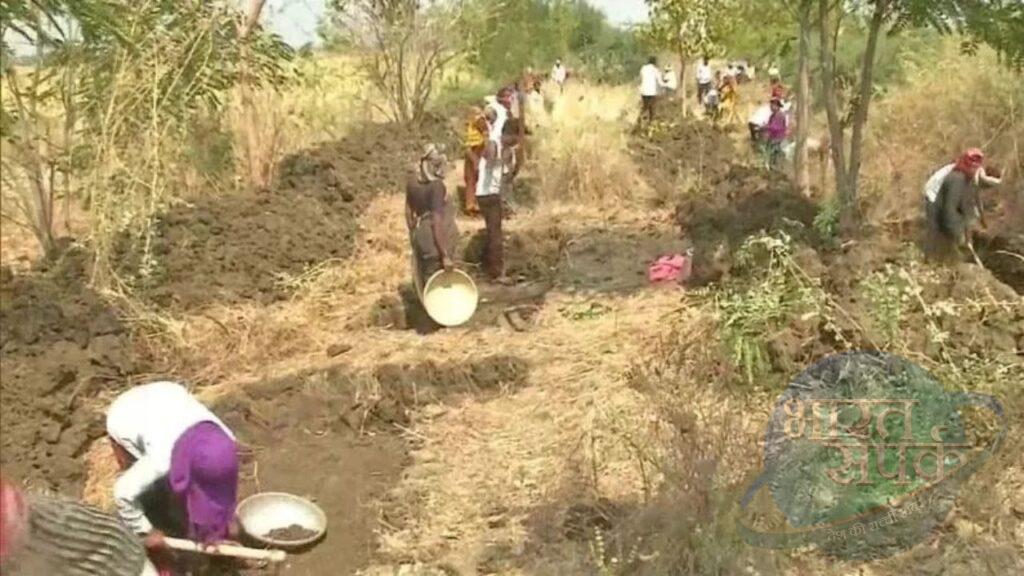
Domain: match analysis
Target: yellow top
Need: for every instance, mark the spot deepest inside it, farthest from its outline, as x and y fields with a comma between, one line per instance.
x=729, y=93
x=474, y=136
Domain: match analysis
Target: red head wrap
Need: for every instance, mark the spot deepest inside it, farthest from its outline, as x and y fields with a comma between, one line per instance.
x=970, y=161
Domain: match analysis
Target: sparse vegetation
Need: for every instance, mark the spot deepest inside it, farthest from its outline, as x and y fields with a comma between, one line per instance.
x=826, y=222
x=887, y=295
x=253, y=244
x=773, y=295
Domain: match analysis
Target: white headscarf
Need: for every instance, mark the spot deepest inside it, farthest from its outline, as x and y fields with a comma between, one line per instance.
x=500, y=117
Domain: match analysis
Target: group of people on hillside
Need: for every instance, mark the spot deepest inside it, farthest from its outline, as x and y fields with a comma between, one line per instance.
x=717, y=91
x=952, y=203
x=655, y=84
x=494, y=144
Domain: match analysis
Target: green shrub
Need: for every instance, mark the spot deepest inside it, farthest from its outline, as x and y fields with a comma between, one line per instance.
x=749, y=315
x=826, y=222
x=888, y=294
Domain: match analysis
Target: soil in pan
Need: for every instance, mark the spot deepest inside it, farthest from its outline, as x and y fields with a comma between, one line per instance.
x=293, y=533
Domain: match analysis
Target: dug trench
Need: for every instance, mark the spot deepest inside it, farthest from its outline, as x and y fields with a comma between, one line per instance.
x=336, y=436
x=341, y=439
x=1001, y=245
x=65, y=349
x=543, y=257
x=609, y=260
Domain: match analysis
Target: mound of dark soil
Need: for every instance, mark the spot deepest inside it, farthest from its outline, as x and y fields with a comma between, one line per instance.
x=61, y=344
x=1004, y=257
x=531, y=254
x=677, y=147
x=234, y=248
x=1001, y=246
x=741, y=202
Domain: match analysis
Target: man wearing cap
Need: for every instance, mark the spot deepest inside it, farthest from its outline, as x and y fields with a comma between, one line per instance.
x=954, y=206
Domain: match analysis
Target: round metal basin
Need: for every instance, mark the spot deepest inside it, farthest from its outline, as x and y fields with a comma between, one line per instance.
x=265, y=512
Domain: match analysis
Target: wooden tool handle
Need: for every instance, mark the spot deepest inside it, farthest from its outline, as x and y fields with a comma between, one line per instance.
x=226, y=550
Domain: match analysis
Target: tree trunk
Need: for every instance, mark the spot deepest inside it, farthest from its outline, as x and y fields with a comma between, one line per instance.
x=258, y=166
x=43, y=217
x=803, y=100
x=683, y=80
x=860, y=116
x=828, y=85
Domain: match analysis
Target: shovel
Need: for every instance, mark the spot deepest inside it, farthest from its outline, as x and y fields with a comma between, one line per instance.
x=228, y=550
x=977, y=260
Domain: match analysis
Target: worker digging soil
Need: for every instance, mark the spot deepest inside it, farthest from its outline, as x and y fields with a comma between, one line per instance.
x=953, y=205
x=179, y=467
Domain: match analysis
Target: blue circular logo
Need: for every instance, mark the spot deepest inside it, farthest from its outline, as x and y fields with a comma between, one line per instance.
x=864, y=453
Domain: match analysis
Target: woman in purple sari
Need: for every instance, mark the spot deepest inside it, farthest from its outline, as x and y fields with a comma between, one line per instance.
x=179, y=465
x=775, y=135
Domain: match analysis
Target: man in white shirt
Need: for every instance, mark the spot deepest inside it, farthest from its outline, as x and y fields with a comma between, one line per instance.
x=167, y=442
x=496, y=168
x=705, y=79
x=497, y=115
x=650, y=83
x=559, y=74
x=670, y=82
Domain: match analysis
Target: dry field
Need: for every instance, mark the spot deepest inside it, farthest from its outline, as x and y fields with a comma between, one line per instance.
x=585, y=422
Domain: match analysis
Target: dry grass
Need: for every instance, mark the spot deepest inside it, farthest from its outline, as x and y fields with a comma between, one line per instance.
x=103, y=470
x=571, y=433
x=931, y=121
x=582, y=154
